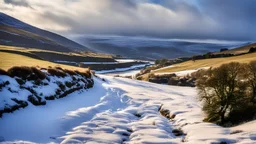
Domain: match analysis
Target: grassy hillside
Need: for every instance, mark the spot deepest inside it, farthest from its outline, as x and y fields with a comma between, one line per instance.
x=239, y=50
x=17, y=37
x=8, y=60
x=35, y=50
x=17, y=33
x=54, y=56
x=214, y=62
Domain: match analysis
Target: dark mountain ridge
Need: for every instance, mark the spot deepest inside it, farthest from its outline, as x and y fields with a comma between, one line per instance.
x=17, y=33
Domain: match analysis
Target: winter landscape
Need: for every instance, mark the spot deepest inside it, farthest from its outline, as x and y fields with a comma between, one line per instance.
x=127, y=72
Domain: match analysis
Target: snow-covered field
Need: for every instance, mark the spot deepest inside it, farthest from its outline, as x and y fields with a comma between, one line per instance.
x=119, y=110
x=179, y=73
x=131, y=73
x=134, y=67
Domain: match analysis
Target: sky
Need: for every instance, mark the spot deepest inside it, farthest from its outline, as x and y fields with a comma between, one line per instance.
x=177, y=19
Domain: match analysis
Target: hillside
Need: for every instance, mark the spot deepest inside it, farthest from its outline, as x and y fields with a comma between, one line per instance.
x=153, y=48
x=239, y=50
x=192, y=66
x=11, y=58
x=14, y=32
x=19, y=56
x=8, y=60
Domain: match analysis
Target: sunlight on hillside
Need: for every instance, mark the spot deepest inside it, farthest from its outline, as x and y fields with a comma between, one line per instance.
x=8, y=60
x=214, y=62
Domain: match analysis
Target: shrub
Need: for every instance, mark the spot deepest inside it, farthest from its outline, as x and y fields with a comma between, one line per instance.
x=4, y=84
x=41, y=75
x=223, y=49
x=69, y=92
x=157, y=62
x=73, y=78
x=68, y=84
x=20, y=81
x=36, y=100
x=58, y=68
x=250, y=73
x=86, y=74
x=56, y=72
x=58, y=92
x=49, y=97
x=62, y=87
x=251, y=50
x=70, y=72
x=20, y=71
x=26, y=73
x=3, y=72
x=221, y=91
x=37, y=82
x=243, y=112
x=90, y=83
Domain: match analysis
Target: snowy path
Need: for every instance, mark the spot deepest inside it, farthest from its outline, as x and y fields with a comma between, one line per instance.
x=40, y=123
x=120, y=111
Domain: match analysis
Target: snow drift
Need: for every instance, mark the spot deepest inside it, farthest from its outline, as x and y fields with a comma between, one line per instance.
x=119, y=110
x=22, y=86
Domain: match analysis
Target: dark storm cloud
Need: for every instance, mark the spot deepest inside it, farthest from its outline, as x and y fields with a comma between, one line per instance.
x=17, y=2
x=188, y=19
x=236, y=17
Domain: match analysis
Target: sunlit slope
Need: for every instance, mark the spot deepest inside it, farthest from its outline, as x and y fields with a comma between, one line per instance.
x=214, y=62
x=8, y=60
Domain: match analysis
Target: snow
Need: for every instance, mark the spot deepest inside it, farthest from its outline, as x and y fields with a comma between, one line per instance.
x=179, y=73
x=131, y=73
x=132, y=60
x=121, y=110
x=100, y=62
x=6, y=95
x=122, y=69
x=68, y=62
x=39, y=123
x=118, y=61
x=125, y=60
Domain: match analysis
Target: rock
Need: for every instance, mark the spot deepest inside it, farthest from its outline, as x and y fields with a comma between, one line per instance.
x=173, y=81
x=177, y=132
x=158, y=80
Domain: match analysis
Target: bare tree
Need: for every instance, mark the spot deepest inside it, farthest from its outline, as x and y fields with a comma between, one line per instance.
x=219, y=90
x=251, y=74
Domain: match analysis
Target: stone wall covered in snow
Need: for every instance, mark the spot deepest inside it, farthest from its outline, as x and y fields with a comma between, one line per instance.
x=23, y=86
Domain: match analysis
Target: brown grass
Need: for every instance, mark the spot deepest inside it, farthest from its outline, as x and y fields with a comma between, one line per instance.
x=56, y=72
x=24, y=72
x=8, y=60
x=243, y=49
x=215, y=62
x=33, y=50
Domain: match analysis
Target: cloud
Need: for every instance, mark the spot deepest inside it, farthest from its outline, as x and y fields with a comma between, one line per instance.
x=183, y=19
x=17, y=2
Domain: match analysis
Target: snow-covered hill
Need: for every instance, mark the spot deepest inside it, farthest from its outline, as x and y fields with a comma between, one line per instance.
x=153, y=48
x=119, y=110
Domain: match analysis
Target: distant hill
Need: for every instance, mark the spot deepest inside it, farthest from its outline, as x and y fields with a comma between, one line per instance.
x=239, y=50
x=153, y=48
x=14, y=32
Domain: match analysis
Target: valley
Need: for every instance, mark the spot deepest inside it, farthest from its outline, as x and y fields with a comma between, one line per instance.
x=127, y=72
